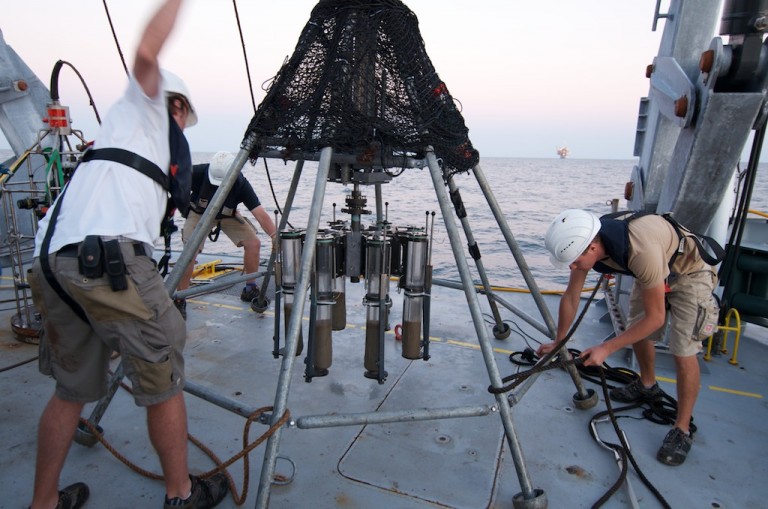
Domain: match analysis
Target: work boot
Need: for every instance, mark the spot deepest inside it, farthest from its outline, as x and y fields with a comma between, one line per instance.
x=249, y=293
x=675, y=447
x=73, y=496
x=206, y=493
x=635, y=391
x=181, y=305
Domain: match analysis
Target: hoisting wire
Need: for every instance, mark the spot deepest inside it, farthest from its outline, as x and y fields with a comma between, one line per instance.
x=245, y=56
x=272, y=189
x=253, y=100
x=727, y=269
x=114, y=36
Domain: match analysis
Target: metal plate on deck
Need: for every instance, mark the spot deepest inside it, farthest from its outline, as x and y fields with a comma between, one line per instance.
x=447, y=461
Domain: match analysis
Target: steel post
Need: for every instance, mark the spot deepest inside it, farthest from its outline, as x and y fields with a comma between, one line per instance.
x=477, y=317
x=517, y=253
x=294, y=328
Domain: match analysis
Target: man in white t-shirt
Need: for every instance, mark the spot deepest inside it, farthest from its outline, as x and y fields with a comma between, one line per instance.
x=98, y=289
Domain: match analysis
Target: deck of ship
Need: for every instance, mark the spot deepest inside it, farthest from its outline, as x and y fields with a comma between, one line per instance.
x=456, y=463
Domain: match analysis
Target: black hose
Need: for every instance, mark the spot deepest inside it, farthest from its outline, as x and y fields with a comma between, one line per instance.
x=55, y=85
x=737, y=228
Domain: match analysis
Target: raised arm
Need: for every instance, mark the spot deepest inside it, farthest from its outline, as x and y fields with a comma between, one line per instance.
x=146, y=67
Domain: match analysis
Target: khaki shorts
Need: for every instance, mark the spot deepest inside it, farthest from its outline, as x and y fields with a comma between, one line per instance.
x=692, y=311
x=140, y=322
x=237, y=228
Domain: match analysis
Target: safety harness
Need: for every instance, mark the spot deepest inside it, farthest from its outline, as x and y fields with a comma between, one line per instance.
x=614, y=234
x=118, y=155
x=207, y=190
x=177, y=184
x=204, y=196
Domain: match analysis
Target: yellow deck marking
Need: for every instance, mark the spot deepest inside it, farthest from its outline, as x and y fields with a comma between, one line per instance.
x=716, y=388
x=223, y=306
x=738, y=393
x=475, y=346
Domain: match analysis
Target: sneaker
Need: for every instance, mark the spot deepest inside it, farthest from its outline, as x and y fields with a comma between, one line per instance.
x=249, y=293
x=206, y=493
x=181, y=305
x=73, y=496
x=635, y=391
x=675, y=447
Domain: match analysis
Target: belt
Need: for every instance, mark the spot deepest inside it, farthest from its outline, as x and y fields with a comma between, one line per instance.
x=71, y=250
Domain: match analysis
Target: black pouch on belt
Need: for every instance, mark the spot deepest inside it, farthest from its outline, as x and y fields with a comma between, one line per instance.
x=114, y=265
x=89, y=258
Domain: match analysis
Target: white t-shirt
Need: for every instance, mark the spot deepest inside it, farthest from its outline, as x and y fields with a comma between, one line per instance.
x=110, y=199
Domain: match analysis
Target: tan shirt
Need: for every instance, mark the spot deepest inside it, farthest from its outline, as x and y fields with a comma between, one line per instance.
x=652, y=242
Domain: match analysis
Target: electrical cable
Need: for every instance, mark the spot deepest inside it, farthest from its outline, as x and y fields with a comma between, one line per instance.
x=55, y=85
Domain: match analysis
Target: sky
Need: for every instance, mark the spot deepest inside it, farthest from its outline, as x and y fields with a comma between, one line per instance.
x=530, y=76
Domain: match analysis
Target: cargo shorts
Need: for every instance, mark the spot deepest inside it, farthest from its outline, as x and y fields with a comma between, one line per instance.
x=236, y=228
x=140, y=322
x=692, y=311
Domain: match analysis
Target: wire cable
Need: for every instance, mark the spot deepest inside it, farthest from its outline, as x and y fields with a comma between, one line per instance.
x=114, y=36
x=245, y=55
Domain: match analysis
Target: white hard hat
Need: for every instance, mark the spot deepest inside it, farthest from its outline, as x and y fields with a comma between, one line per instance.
x=569, y=235
x=217, y=169
x=175, y=85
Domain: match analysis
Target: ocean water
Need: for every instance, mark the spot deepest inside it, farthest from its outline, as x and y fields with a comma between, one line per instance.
x=530, y=192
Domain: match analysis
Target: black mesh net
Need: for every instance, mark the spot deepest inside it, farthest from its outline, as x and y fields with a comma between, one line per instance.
x=360, y=81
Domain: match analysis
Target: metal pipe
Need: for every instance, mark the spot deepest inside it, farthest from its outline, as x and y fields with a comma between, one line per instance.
x=517, y=253
x=517, y=311
x=477, y=318
x=281, y=227
x=294, y=327
x=277, y=268
x=206, y=220
x=210, y=287
x=379, y=204
x=500, y=325
x=220, y=401
x=423, y=414
x=528, y=277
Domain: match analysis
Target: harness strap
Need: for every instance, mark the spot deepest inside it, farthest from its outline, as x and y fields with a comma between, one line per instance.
x=132, y=160
x=699, y=240
x=46, y=266
x=213, y=235
x=118, y=155
x=151, y=170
